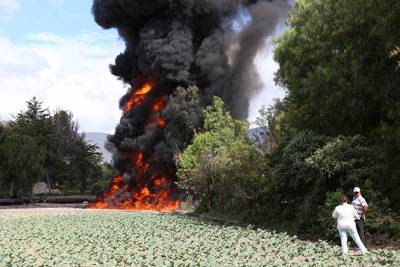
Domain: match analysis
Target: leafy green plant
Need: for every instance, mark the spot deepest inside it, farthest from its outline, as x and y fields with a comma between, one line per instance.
x=221, y=168
x=92, y=238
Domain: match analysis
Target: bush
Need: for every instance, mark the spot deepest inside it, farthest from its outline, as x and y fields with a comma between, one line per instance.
x=221, y=168
x=297, y=188
x=346, y=162
x=380, y=222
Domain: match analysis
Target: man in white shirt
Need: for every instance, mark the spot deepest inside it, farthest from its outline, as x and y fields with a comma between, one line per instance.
x=345, y=215
x=361, y=206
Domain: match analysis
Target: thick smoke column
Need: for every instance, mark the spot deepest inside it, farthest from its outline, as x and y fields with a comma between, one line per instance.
x=172, y=43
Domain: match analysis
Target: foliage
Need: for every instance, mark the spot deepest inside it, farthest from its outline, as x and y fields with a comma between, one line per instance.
x=390, y=156
x=342, y=87
x=21, y=162
x=84, y=165
x=334, y=64
x=101, y=239
x=395, y=53
x=310, y=170
x=99, y=182
x=65, y=158
x=381, y=223
x=220, y=168
x=349, y=161
x=296, y=186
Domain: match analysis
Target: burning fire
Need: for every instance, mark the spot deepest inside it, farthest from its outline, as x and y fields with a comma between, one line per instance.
x=156, y=196
x=155, y=193
x=158, y=105
x=137, y=96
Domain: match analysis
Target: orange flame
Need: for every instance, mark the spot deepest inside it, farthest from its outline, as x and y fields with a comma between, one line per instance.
x=138, y=158
x=158, y=105
x=137, y=96
x=160, y=121
x=142, y=197
x=157, y=195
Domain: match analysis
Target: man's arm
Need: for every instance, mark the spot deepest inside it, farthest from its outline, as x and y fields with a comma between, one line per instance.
x=364, y=206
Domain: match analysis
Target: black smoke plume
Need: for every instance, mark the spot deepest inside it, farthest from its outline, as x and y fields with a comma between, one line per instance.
x=208, y=43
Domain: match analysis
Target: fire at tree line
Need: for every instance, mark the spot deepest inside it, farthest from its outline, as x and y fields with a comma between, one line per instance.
x=182, y=136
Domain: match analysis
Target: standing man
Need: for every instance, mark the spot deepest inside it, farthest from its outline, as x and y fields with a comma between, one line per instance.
x=361, y=206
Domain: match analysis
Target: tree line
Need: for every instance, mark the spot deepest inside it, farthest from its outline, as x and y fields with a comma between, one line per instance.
x=338, y=127
x=39, y=146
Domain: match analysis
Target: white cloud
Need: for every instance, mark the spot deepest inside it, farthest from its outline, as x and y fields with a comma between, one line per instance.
x=45, y=37
x=266, y=67
x=8, y=8
x=69, y=73
x=72, y=73
x=19, y=61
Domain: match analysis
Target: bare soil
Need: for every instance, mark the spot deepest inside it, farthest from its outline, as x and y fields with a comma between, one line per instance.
x=42, y=211
x=53, y=209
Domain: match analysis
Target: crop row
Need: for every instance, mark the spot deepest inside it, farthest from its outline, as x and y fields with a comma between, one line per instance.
x=150, y=239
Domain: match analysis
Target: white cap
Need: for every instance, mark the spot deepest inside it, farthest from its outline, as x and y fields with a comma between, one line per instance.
x=356, y=189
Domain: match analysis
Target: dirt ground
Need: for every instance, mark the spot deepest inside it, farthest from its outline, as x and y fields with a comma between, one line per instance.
x=42, y=211
x=51, y=210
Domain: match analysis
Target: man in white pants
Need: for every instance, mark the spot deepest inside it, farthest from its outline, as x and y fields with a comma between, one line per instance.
x=345, y=215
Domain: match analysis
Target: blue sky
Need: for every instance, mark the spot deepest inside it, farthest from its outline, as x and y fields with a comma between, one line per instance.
x=60, y=17
x=53, y=49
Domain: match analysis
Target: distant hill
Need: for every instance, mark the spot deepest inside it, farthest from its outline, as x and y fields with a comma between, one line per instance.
x=99, y=139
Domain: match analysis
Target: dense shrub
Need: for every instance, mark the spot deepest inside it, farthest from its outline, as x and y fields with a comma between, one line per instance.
x=296, y=186
x=221, y=168
x=310, y=173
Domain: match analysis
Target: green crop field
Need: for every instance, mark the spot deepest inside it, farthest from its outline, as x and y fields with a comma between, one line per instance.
x=90, y=238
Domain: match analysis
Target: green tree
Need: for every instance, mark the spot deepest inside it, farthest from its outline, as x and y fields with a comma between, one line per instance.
x=99, y=182
x=36, y=122
x=334, y=64
x=221, y=168
x=73, y=160
x=296, y=187
x=84, y=165
x=69, y=160
x=21, y=164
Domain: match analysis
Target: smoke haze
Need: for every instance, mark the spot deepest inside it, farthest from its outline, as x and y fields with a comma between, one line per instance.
x=181, y=43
